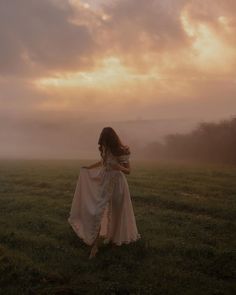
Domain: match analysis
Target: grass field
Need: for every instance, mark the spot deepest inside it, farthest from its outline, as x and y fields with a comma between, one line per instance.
x=185, y=215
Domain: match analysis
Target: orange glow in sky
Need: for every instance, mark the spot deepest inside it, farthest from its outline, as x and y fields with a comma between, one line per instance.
x=110, y=73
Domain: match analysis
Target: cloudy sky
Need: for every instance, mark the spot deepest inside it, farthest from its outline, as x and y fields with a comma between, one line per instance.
x=65, y=64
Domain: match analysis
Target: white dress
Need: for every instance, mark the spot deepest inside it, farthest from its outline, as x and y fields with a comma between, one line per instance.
x=102, y=197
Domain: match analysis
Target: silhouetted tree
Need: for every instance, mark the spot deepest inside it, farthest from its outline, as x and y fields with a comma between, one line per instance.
x=209, y=142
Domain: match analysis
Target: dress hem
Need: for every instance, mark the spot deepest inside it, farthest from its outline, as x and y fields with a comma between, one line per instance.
x=138, y=237
x=76, y=230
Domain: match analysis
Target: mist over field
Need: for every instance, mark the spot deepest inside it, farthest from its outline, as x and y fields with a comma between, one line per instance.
x=71, y=138
x=166, y=139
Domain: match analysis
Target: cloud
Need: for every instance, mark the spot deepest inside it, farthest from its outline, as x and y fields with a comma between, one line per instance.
x=139, y=31
x=135, y=21
x=37, y=37
x=42, y=38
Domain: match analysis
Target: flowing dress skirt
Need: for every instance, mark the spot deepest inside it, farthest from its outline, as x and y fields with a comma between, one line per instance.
x=102, y=197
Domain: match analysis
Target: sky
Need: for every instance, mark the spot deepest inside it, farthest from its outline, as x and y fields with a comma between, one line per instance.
x=70, y=67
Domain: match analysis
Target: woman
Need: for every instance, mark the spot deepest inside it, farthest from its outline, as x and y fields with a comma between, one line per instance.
x=102, y=205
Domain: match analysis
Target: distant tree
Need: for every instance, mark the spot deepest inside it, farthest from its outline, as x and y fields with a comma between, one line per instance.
x=209, y=142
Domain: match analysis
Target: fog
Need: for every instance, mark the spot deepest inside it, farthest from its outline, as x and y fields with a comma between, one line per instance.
x=68, y=138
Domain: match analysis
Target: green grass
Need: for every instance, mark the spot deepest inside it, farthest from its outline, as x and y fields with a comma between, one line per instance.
x=185, y=215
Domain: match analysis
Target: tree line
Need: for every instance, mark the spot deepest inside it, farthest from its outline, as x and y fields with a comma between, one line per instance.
x=209, y=142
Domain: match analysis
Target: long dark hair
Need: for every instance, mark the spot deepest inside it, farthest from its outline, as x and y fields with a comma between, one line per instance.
x=110, y=140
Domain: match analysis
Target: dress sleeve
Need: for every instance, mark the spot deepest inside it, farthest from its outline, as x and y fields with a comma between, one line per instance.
x=124, y=158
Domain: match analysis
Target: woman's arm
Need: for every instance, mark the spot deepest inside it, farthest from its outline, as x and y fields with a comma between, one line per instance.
x=125, y=167
x=97, y=164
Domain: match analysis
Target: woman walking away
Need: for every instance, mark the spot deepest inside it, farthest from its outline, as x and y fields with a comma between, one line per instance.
x=102, y=204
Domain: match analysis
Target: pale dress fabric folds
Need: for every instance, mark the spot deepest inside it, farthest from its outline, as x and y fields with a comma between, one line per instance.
x=102, y=197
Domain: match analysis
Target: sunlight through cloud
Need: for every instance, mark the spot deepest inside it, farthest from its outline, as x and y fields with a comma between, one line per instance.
x=111, y=73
